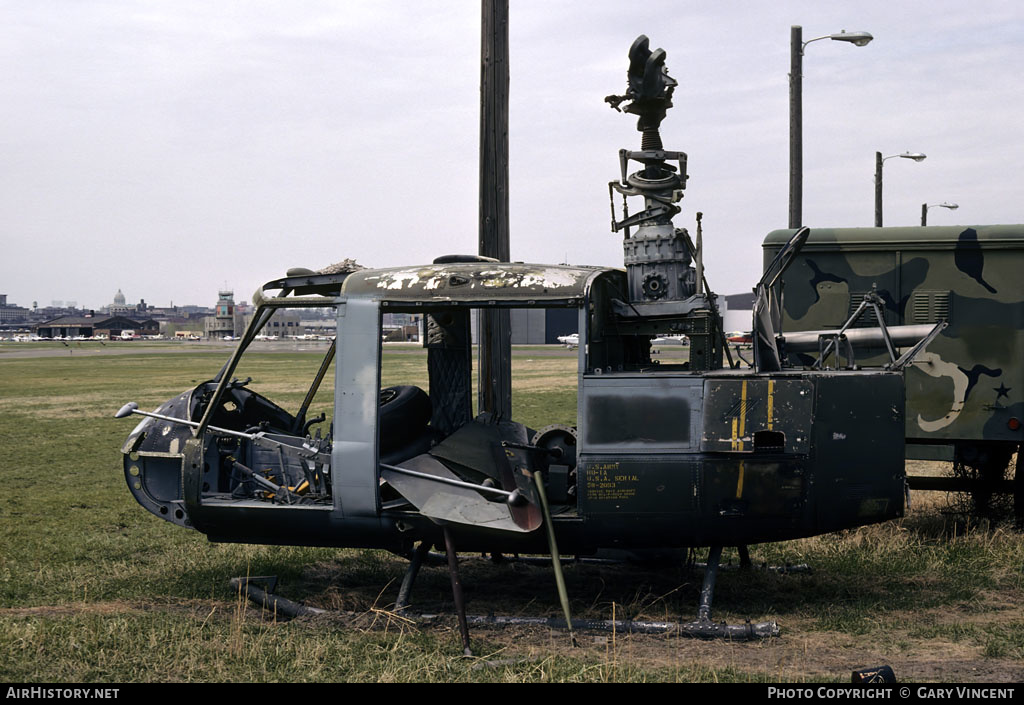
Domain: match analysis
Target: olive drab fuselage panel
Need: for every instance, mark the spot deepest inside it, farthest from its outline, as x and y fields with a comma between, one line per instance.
x=969, y=384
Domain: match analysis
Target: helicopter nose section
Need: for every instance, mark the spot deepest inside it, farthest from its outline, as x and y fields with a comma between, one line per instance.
x=153, y=455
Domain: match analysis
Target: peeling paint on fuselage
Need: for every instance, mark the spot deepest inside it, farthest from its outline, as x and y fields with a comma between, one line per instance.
x=516, y=277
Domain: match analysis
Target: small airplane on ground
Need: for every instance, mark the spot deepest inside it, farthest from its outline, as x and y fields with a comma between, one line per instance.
x=570, y=341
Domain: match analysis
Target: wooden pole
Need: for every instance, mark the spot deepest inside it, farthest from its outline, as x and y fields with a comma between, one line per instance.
x=494, y=329
x=878, y=189
x=796, y=127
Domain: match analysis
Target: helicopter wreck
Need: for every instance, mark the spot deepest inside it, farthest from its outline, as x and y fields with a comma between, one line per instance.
x=662, y=456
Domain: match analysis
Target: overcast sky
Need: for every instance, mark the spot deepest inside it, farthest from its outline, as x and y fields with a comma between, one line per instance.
x=170, y=148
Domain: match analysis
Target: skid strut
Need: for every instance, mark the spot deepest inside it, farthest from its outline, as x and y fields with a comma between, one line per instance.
x=410, y=575
x=460, y=603
x=704, y=628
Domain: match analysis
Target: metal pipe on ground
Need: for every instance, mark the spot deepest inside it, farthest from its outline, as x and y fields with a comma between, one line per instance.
x=270, y=601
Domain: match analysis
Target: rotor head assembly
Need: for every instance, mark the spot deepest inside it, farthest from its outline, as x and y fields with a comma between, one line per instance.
x=657, y=255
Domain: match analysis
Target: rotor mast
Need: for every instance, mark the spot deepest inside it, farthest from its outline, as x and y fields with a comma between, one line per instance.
x=665, y=290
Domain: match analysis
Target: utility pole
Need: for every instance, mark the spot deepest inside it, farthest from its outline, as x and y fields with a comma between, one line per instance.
x=879, y=163
x=796, y=114
x=878, y=189
x=796, y=127
x=494, y=331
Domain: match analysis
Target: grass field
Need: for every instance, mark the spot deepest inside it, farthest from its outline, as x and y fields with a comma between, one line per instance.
x=95, y=589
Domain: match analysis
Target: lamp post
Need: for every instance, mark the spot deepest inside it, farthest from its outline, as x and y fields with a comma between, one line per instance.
x=925, y=207
x=796, y=148
x=879, y=160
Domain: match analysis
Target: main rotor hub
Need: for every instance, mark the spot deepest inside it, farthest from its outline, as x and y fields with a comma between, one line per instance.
x=657, y=255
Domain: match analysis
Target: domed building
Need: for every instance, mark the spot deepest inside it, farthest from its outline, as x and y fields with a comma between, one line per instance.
x=119, y=307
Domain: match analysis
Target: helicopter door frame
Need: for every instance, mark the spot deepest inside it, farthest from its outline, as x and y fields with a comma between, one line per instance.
x=355, y=475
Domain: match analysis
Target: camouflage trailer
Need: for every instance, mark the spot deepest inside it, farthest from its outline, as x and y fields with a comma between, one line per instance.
x=965, y=394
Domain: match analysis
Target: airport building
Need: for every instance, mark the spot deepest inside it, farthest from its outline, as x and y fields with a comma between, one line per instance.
x=226, y=320
x=94, y=326
x=9, y=313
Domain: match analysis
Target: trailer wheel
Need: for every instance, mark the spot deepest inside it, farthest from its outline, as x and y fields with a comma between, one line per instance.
x=986, y=466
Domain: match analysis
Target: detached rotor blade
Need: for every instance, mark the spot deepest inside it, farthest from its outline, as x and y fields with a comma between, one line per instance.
x=439, y=494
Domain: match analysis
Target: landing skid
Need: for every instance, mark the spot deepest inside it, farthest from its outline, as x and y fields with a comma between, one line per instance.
x=702, y=628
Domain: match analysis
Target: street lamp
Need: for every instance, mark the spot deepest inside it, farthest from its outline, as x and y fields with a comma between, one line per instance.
x=796, y=148
x=879, y=159
x=925, y=207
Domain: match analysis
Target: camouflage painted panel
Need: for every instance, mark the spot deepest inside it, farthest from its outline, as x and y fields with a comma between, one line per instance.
x=969, y=383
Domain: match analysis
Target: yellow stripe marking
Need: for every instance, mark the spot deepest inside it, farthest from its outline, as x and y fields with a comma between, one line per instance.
x=739, y=483
x=735, y=442
x=743, y=412
x=771, y=401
